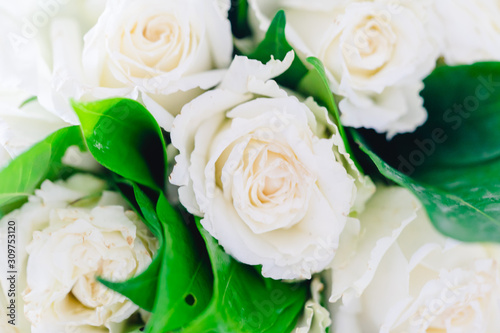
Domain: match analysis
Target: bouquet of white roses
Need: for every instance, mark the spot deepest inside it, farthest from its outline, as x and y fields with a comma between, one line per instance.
x=250, y=166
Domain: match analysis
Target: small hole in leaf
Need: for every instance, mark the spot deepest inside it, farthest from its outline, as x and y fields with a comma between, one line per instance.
x=190, y=300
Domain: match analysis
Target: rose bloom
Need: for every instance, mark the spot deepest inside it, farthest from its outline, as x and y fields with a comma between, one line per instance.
x=376, y=54
x=69, y=233
x=161, y=53
x=267, y=172
x=471, y=30
x=166, y=49
x=412, y=279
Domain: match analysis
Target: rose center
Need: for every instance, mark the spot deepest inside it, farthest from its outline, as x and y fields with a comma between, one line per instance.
x=275, y=175
x=159, y=28
x=272, y=185
x=373, y=44
x=89, y=292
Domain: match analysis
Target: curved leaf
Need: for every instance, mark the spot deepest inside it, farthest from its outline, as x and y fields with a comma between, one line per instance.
x=125, y=138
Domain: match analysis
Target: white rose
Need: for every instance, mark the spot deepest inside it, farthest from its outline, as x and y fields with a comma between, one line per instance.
x=21, y=127
x=266, y=171
x=167, y=49
x=413, y=280
x=68, y=233
x=376, y=54
x=471, y=30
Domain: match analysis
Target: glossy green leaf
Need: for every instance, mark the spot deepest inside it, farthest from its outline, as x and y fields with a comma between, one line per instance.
x=244, y=301
x=42, y=161
x=452, y=162
x=185, y=286
x=125, y=138
x=275, y=45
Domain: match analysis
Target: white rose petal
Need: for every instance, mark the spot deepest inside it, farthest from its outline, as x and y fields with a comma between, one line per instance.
x=258, y=166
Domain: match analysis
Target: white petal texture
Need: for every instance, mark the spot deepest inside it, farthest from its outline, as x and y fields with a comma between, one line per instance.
x=68, y=233
x=267, y=172
x=411, y=279
x=376, y=54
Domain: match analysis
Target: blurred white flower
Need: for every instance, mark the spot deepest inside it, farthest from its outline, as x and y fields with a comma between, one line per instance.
x=68, y=233
x=410, y=279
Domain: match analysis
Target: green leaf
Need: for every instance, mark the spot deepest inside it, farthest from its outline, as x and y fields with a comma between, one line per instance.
x=185, y=286
x=42, y=161
x=275, y=45
x=125, y=138
x=244, y=301
x=452, y=162
x=238, y=16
